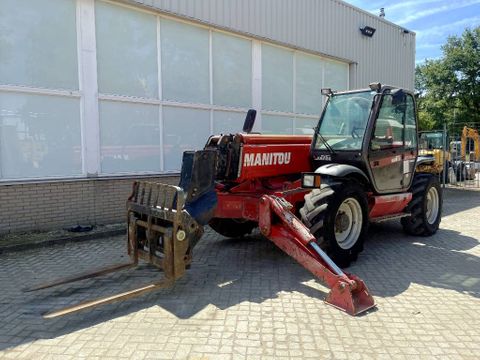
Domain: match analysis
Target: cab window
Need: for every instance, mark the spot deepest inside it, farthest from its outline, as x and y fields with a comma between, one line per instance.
x=395, y=126
x=410, y=124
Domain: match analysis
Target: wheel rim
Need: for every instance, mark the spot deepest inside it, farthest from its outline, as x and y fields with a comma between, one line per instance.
x=433, y=202
x=348, y=223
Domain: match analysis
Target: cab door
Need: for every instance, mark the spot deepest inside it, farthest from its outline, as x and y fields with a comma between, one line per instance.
x=393, y=145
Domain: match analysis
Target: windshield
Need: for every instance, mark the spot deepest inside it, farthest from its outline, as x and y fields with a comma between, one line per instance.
x=345, y=120
x=429, y=141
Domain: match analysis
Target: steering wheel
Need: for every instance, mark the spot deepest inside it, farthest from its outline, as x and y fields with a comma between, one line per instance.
x=354, y=133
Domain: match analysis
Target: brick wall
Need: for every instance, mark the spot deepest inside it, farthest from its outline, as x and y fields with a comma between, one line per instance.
x=59, y=204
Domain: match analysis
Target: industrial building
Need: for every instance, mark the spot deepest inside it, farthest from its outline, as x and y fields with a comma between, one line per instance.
x=96, y=93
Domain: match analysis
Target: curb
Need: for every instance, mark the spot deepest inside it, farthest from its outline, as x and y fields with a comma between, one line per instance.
x=60, y=241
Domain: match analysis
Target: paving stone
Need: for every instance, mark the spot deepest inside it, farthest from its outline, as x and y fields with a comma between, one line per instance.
x=245, y=299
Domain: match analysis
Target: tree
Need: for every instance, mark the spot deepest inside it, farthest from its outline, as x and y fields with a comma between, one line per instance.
x=449, y=87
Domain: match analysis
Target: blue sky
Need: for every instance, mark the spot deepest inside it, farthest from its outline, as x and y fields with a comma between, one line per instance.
x=432, y=20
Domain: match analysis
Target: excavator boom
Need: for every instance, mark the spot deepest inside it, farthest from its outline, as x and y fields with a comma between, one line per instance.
x=469, y=133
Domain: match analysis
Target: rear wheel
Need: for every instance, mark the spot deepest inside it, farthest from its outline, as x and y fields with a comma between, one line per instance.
x=232, y=227
x=337, y=216
x=425, y=207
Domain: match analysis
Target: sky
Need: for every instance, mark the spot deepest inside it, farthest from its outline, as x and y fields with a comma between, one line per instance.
x=432, y=20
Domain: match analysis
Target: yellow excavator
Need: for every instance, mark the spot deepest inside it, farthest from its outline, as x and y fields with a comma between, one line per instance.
x=430, y=145
x=469, y=133
x=470, y=152
x=458, y=159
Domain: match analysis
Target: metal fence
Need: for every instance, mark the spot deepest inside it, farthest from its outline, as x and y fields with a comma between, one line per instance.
x=461, y=170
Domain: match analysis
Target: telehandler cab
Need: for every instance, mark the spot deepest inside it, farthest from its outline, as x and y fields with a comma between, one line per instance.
x=312, y=196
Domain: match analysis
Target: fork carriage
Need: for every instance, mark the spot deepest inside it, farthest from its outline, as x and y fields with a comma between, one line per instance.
x=160, y=232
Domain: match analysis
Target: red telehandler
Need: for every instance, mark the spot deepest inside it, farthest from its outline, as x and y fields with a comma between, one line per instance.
x=312, y=196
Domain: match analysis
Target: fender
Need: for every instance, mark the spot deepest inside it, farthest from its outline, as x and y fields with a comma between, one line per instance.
x=424, y=160
x=340, y=170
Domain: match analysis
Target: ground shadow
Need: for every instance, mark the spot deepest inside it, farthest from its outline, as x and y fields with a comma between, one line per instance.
x=438, y=261
x=225, y=272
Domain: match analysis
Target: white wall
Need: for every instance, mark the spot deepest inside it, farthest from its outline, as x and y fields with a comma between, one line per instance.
x=328, y=27
x=99, y=88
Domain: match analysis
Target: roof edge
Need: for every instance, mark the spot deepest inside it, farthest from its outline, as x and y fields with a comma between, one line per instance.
x=365, y=12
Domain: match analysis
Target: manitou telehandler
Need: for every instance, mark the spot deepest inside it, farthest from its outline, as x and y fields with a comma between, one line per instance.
x=312, y=196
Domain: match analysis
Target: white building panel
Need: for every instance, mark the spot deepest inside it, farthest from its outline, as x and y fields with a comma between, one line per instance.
x=136, y=83
x=328, y=27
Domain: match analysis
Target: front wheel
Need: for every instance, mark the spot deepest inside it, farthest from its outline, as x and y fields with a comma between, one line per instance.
x=425, y=207
x=337, y=216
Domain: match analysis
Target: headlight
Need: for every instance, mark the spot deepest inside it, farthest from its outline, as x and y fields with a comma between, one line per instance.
x=308, y=180
x=311, y=180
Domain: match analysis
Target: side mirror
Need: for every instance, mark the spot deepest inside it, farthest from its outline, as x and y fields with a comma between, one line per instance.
x=326, y=91
x=375, y=86
x=249, y=121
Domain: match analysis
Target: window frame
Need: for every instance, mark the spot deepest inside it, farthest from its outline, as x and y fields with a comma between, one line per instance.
x=404, y=126
x=294, y=114
x=57, y=92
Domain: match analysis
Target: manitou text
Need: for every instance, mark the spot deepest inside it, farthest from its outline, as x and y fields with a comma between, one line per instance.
x=274, y=158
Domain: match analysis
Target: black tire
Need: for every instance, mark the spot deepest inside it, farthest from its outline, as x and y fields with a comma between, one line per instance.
x=231, y=227
x=446, y=168
x=461, y=171
x=452, y=178
x=440, y=177
x=320, y=214
x=418, y=224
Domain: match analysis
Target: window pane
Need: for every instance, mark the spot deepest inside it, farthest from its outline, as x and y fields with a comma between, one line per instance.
x=277, y=79
x=336, y=76
x=308, y=94
x=344, y=121
x=389, y=126
x=274, y=124
x=126, y=51
x=225, y=122
x=232, y=70
x=184, y=129
x=38, y=43
x=129, y=137
x=410, y=125
x=185, y=65
x=39, y=136
x=305, y=126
